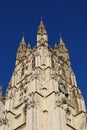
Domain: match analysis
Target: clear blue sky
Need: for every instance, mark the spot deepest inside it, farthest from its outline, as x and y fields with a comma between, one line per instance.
x=68, y=17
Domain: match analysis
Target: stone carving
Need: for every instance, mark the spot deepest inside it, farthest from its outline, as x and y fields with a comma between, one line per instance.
x=42, y=93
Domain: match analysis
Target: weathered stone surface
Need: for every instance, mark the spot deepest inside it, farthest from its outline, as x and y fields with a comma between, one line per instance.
x=42, y=93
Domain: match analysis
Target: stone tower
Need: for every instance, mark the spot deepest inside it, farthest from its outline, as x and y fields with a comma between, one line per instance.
x=42, y=93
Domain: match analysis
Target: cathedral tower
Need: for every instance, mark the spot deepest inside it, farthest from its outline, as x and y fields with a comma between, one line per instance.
x=42, y=93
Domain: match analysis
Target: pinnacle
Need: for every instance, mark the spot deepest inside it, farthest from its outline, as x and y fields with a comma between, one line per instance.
x=22, y=43
x=61, y=41
x=62, y=45
x=28, y=45
x=41, y=28
x=23, y=40
x=55, y=45
x=41, y=23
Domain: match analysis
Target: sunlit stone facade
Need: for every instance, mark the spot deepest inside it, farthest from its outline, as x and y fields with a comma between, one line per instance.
x=42, y=93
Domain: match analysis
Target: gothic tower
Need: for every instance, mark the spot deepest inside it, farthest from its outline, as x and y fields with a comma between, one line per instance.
x=42, y=93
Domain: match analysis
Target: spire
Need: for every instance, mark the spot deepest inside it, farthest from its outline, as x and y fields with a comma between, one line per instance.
x=42, y=37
